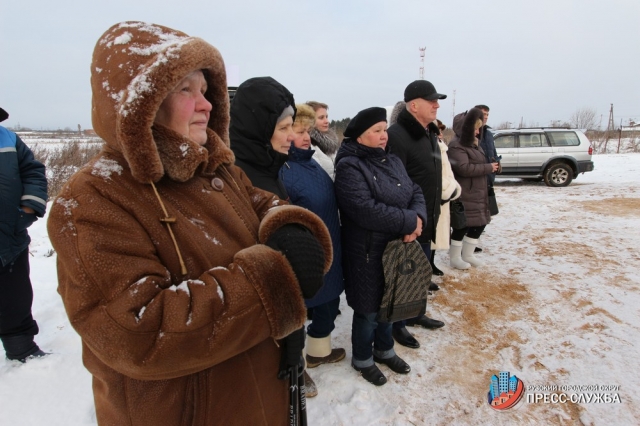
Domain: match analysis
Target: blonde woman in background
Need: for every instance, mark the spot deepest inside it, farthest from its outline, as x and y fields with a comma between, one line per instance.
x=323, y=138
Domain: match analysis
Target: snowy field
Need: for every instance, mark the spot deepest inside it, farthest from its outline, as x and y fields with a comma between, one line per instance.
x=557, y=303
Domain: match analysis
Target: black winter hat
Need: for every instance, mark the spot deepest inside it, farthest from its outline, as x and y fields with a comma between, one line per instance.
x=3, y=115
x=422, y=89
x=363, y=120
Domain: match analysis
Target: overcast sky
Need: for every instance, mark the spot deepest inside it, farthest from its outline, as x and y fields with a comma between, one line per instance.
x=534, y=61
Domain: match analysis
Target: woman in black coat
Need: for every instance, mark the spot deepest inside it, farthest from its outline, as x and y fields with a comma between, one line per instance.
x=470, y=169
x=261, y=132
x=378, y=203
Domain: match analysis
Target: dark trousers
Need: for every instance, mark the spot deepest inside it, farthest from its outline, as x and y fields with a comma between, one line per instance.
x=426, y=248
x=324, y=317
x=368, y=336
x=472, y=232
x=16, y=297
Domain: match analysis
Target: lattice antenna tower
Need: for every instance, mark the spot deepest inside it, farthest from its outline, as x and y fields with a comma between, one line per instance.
x=421, y=74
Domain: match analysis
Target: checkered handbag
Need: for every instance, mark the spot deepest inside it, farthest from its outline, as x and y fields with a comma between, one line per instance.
x=407, y=273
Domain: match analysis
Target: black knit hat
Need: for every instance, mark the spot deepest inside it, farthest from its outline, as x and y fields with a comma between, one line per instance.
x=3, y=115
x=363, y=120
x=422, y=89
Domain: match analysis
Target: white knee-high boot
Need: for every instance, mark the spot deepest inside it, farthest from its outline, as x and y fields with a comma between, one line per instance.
x=455, y=259
x=468, y=247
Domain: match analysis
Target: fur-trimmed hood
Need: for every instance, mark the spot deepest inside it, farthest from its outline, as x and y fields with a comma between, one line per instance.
x=395, y=112
x=464, y=126
x=134, y=68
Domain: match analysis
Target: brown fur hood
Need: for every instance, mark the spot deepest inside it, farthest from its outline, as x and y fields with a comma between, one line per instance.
x=132, y=71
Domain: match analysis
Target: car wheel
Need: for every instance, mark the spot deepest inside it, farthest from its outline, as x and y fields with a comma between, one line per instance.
x=559, y=174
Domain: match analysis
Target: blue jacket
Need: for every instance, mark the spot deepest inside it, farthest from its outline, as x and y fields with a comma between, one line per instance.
x=22, y=183
x=378, y=202
x=309, y=186
x=489, y=147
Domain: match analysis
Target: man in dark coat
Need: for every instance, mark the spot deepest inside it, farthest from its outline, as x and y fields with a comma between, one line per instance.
x=487, y=144
x=413, y=138
x=23, y=198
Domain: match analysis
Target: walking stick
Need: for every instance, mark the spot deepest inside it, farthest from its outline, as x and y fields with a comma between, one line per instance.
x=294, y=400
x=303, y=399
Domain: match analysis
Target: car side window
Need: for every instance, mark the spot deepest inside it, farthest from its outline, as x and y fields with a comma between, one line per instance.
x=505, y=141
x=535, y=140
x=564, y=139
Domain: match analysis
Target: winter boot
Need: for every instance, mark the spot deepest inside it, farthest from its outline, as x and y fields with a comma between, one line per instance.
x=434, y=268
x=455, y=251
x=319, y=351
x=21, y=347
x=309, y=385
x=468, y=247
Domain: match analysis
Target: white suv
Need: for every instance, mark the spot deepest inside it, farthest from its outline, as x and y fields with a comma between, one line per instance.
x=556, y=155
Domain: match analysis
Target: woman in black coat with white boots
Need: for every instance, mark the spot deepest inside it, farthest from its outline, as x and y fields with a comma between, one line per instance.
x=378, y=203
x=470, y=169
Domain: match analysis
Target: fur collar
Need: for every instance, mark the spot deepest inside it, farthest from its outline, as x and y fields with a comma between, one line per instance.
x=415, y=129
x=181, y=157
x=328, y=142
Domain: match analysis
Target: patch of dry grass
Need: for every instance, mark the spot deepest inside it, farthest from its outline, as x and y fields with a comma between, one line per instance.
x=613, y=206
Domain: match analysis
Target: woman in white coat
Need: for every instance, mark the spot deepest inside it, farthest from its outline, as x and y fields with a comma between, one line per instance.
x=450, y=191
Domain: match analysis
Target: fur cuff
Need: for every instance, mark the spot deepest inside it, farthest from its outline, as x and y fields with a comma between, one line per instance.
x=448, y=188
x=283, y=215
x=274, y=280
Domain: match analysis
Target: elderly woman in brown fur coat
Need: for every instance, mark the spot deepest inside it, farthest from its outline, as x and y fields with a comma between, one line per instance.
x=470, y=170
x=162, y=263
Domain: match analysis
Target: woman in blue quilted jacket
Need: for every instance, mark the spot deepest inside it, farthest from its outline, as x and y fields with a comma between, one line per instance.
x=378, y=202
x=309, y=186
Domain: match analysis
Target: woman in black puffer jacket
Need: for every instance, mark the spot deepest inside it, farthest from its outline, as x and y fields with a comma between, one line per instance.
x=470, y=169
x=378, y=203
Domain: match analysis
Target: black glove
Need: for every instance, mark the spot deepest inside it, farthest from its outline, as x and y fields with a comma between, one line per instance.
x=292, y=347
x=304, y=253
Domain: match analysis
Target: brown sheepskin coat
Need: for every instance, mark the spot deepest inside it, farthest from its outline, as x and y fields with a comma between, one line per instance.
x=169, y=344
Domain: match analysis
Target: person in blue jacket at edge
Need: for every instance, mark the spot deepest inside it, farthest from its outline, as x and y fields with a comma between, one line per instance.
x=23, y=198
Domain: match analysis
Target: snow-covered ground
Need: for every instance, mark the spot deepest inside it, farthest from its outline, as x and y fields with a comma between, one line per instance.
x=557, y=303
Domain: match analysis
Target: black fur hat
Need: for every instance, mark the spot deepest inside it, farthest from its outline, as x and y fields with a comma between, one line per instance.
x=3, y=115
x=363, y=120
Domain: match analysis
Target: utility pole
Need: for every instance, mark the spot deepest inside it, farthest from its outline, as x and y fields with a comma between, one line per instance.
x=619, y=137
x=610, y=126
x=421, y=73
x=453, y=107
